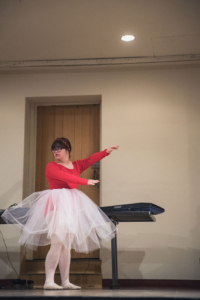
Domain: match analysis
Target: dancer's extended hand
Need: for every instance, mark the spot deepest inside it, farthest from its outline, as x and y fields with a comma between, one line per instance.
x=92, y=181
x=110, y=149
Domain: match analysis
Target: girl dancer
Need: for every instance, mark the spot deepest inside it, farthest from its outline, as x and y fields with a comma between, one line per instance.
x=63, y=216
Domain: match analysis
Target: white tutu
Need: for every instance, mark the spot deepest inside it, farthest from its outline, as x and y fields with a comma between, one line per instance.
x=60, y=215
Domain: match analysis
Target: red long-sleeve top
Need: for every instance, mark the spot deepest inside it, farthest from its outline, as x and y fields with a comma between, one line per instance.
x=60, y=177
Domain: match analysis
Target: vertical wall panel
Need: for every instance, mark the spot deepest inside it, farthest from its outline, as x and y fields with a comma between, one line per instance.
x=95, y=129
x=58, y=128
x=38, y=179
x=48, y=137
x=68, y=126
x=86, y=144
x=77, y=136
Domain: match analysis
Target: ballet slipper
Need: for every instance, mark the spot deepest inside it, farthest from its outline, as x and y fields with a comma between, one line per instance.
x=71, y=286
x=52, y=286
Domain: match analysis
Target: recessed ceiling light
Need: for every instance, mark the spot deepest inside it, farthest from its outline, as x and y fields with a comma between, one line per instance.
x=127, y=38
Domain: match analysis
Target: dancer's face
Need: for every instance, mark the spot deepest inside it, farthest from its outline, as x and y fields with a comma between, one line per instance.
x=61, y=155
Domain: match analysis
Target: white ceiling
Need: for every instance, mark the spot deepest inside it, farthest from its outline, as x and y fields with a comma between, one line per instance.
x=82, y=29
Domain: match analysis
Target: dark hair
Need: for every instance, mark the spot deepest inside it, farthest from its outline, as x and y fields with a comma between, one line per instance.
x=62, y=143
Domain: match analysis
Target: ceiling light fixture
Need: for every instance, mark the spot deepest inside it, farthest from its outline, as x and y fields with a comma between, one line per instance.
x=127, y=38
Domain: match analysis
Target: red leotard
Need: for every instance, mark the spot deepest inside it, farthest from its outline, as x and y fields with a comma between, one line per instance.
x=60, y=177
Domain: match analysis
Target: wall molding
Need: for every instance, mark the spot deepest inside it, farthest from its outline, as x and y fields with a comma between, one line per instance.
x=97, y=61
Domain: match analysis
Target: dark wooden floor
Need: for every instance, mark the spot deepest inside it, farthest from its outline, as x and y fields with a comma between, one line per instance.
x=103, y=294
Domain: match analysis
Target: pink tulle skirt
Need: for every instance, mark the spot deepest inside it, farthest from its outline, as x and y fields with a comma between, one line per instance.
x=61, y=215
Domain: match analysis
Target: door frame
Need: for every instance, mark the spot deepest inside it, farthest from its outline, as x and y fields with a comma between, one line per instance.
x=31, y=105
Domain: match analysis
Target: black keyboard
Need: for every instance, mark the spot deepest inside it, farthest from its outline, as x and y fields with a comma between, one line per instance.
x=154, y=209
x=133, y=212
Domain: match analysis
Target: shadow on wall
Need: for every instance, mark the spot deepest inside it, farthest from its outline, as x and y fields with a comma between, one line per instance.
x=166, y=257
x=195, y=232
x=6, y=270
x=126, y=259
x=8, y=195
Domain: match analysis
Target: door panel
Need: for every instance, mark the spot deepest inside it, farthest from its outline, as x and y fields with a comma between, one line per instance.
x=80, y=124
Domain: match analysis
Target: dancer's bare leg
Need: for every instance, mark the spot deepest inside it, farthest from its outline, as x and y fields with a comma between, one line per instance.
x=64, y=266
x=51, y=263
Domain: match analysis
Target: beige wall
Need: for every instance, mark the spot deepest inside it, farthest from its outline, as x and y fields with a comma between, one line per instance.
x=153, y=113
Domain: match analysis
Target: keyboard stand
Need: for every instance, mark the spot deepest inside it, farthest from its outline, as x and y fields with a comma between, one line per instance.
x=114, y=284
x=117, y=217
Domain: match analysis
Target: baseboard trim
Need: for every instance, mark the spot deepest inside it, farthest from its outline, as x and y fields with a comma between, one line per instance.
x=153, y=283
x=5, y=282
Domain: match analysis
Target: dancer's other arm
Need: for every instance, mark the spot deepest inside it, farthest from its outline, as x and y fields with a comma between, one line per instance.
x=53, y=171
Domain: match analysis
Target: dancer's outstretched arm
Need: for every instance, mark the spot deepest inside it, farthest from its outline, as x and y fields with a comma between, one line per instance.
x=87, y=162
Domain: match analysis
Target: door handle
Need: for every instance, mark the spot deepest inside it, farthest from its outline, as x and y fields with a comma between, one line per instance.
x=96, y=177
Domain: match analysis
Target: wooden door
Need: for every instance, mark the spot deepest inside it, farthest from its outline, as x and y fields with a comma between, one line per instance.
x=80, y=124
